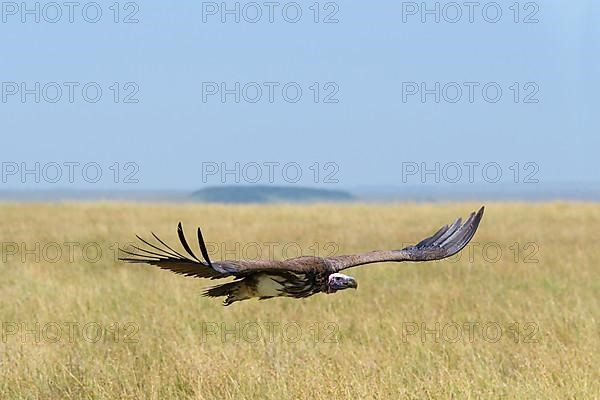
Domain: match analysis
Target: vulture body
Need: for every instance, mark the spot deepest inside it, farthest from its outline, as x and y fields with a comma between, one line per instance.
x=295, y=277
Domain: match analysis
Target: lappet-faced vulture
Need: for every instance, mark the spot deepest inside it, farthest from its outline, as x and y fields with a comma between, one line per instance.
x=295, y=277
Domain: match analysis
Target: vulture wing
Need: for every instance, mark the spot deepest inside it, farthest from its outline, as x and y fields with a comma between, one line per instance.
x=446, y=242
x=164, y=256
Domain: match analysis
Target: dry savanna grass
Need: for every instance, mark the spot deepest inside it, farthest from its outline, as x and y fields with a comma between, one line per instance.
x=514, y=321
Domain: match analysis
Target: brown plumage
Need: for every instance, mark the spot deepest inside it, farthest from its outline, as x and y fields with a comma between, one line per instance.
x=294, y=277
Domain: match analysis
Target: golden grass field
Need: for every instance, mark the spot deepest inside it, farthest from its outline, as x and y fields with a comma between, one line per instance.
x=482, y=326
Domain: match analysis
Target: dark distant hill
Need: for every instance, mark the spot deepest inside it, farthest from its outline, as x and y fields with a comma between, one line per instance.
x=268, y=194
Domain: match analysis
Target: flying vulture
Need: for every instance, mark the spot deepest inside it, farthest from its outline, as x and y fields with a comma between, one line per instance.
x=295, y=277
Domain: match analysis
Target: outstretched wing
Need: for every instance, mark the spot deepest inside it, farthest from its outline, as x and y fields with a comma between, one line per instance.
x=164, y=256
x=446, y=242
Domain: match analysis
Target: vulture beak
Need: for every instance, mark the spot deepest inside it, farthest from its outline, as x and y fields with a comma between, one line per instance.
x=352, y=283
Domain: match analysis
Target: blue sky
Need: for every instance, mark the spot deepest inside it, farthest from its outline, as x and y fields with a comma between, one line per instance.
x=367, y=65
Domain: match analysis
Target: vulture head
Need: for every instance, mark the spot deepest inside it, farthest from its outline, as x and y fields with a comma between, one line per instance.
x=339, y=281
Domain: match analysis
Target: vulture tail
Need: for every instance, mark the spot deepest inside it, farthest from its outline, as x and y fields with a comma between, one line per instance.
x=235, y=291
